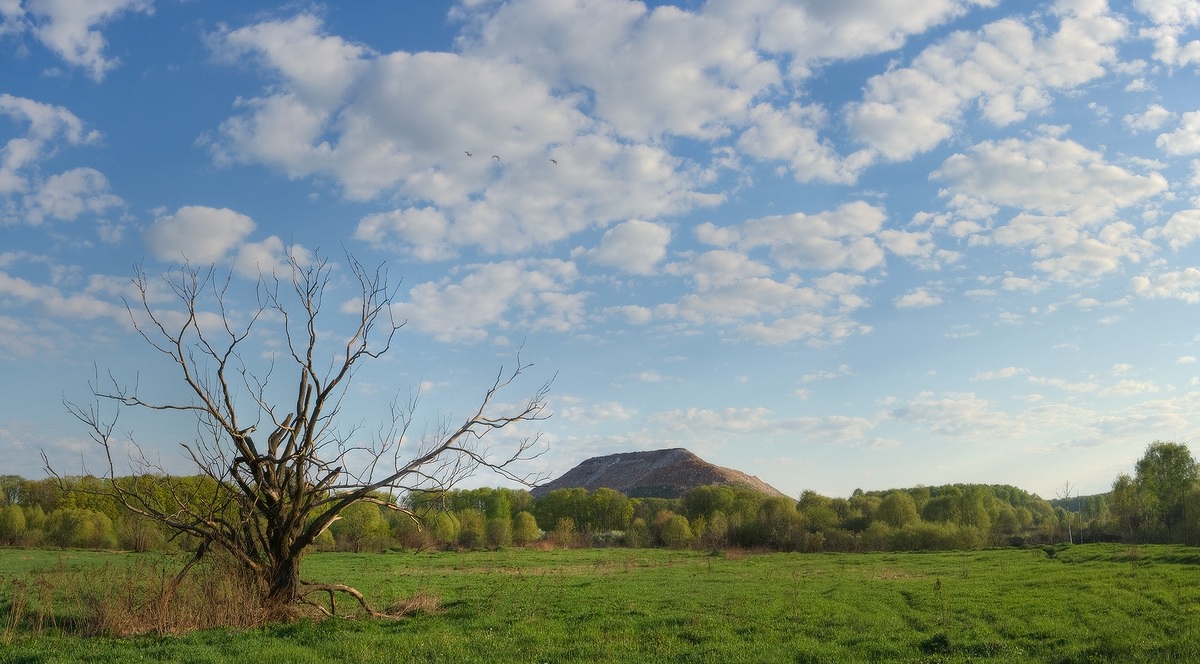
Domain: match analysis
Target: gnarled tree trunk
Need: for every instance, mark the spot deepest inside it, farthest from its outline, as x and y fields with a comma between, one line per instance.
x=265, y=503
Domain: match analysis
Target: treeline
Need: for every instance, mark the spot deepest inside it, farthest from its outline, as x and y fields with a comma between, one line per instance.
x=1159, y=502
x=710, y=517
x=76, y=512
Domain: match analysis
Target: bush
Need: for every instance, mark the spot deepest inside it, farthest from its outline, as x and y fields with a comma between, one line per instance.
x=12, y=525
x=525, y=529
x=564, y=532
x=83, y=528
x=499, y=531
x=676, y=533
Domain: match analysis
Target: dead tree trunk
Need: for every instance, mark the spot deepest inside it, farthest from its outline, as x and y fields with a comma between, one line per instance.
x=265, y=503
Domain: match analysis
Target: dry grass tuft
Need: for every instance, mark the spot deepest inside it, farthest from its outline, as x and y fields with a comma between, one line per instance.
x=423, y=601
x=135, y=598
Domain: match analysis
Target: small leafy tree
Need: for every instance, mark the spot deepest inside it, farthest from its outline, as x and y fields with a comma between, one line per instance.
x=268, y=498
x=12, y=525
x=525, y=529
x=499, y=531
x=1165, y=474
x=676, y=532
x=897, y=509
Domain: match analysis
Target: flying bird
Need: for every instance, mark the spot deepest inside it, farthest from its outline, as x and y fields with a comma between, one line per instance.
x=554, y=161
x=496, y=157
x=469, y=154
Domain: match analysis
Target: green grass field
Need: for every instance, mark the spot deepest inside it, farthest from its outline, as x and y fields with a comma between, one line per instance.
x=1092, y=603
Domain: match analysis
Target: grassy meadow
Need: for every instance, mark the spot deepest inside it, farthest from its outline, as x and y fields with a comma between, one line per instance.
x=1084, y=603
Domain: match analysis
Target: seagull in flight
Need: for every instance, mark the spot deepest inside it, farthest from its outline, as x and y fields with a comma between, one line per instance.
x=496, y=157
x=468, y=154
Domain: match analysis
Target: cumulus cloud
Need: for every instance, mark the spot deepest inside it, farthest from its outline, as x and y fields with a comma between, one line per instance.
x=832, y=240
x=1068, y=196
x=269, y=257
x=1174, y=284
x=1172, y=19
x=634, y=246
x=1152, y=118
x=197, y=233
x=832, y=30
x=1186, y=137
x=54, y=302
x=698, y=86
x=71, y=28
x=33, y=198
x=792, y=135
x=1181, y=229
x=919, y=298
x=731, y=289
x=496, y=297
x=1009, y=69
x=526, y=168
x=68, y=195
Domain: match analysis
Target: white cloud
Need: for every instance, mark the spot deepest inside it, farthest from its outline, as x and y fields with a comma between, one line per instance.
x=533, y=292
x=1129, y=387
x=634, y=246
x=792, y=135
x=1068, y=195
x=1152, y=118
x=1186, y=359
x=71, y=29
x=196, y=233
x=831, y=240
x=32, y=198
x=23, y=338
x=1046, y=175
x=651, y=376
x=1065, y=385
x=1172, y=20
x=814, y=32
x=842, y=370
x=1009, y=69
x=52, y=300
x=919, y=298
x=1182, y=228
x=1006, y=372
x=730, y=288
x=649, y=71
x=1186, y=137
x=1177, y=284
x=704, y=422
x=269, y=257
x=962, y=416
x=605, y=412
x=68, y=195
x=421, y=232
x=412, y=126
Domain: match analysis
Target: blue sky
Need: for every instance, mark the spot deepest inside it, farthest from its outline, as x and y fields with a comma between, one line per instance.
x=864, y=244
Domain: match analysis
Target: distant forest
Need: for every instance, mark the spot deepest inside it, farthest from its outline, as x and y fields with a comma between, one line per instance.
x=1158, y=502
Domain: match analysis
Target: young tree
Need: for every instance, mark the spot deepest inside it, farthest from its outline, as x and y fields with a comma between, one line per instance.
x=1164, y=475
x=267, y=499
x=525, y=529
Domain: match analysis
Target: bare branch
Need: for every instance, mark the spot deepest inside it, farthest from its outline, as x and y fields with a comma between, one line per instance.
x=272, y=476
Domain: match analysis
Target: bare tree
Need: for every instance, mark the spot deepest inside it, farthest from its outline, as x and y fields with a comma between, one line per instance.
x=265, y=502
x=1064, y=495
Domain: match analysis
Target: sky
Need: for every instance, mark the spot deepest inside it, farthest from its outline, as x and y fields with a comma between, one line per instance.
x=858, y=245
